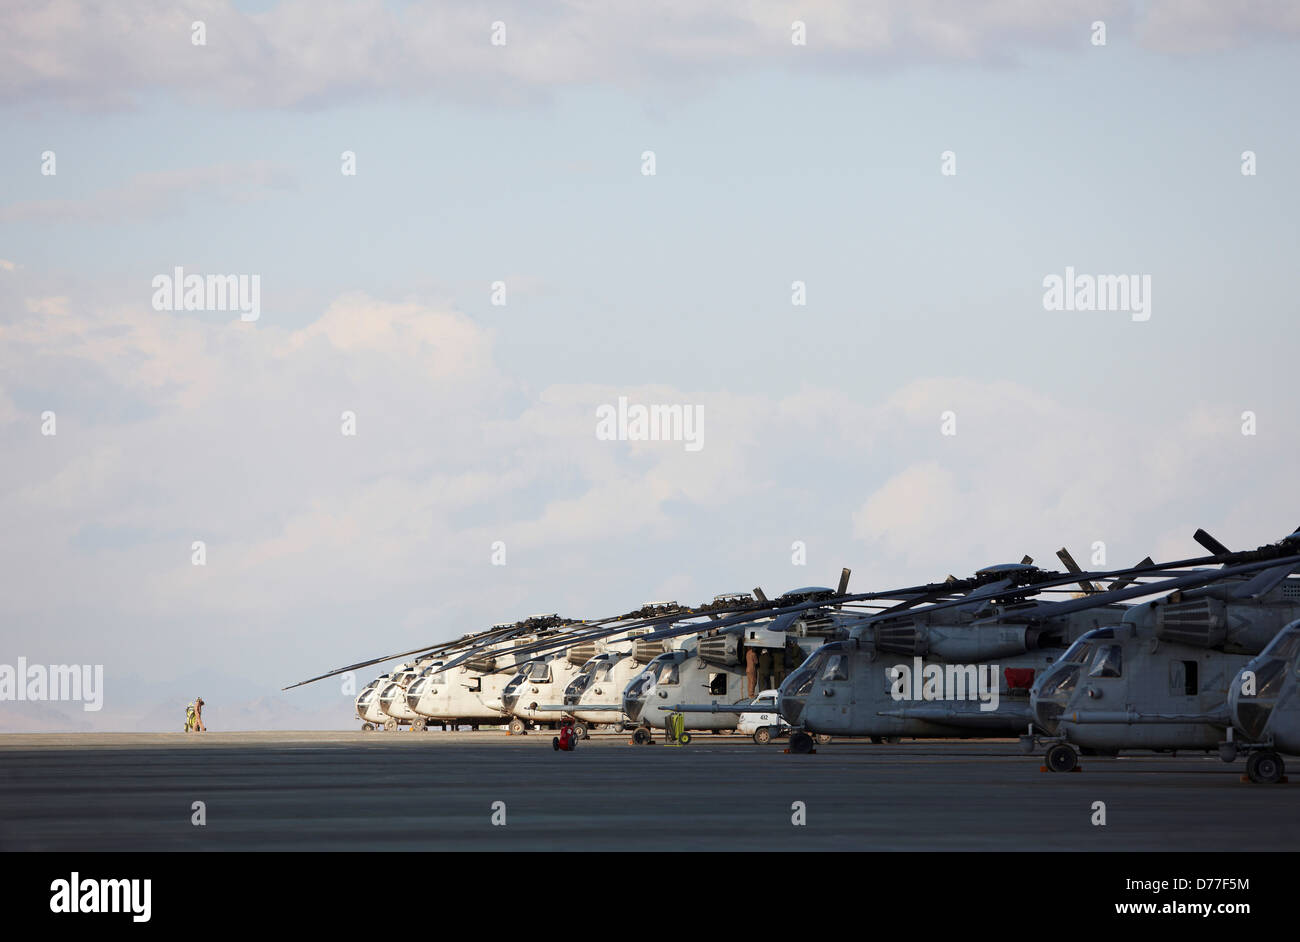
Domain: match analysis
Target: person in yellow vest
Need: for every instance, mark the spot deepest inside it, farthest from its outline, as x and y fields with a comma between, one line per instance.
x=194, y=717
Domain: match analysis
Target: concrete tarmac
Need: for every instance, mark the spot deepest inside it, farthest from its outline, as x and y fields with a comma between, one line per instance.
x=436, y=792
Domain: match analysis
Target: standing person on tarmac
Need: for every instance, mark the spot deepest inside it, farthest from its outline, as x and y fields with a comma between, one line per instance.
x=194, y=717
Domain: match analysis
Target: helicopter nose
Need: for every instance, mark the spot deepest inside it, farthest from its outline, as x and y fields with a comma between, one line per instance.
x=790, y=708
x=1050, y=695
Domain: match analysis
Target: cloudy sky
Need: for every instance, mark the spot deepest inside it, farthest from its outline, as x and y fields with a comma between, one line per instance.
x=523, y=163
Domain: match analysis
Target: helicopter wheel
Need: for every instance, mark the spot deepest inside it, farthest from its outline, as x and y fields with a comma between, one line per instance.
x=823, y=739
x=518, y=727
x=641, y=736
x=801, y=743
x=580, y=730
x=390, y=726
x=367, y=727
x=1062, y=758
x=1265, y=768
x=763, y=735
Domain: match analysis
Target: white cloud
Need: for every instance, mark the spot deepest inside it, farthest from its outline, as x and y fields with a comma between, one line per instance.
x=308, y=54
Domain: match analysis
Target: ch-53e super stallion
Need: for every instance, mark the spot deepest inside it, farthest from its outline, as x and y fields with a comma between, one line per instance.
x=1161, y=677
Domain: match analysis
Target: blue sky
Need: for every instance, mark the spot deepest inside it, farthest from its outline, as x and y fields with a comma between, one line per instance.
x=924, y=295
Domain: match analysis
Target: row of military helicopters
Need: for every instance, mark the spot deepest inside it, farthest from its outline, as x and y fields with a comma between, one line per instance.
x=1210, y=660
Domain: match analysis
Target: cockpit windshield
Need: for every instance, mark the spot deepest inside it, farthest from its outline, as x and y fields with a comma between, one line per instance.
x=667, y=673
x=1078, y=652
x=1285, y=645
x=1108, y=661
x=640, y=684
x=540, y=672
x=828, y=659
x=837, y=667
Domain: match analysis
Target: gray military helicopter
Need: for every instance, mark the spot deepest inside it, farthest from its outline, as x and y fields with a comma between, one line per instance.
x=1264, y=704
x=1160, y=677
x=856, y=686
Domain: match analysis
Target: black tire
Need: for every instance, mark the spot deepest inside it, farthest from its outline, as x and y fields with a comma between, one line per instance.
x=763, y=735
x=641, y=736
x=801, y=743
x=1265, y=768
x=684, y=738
x=518, y=727
x=555, y=743
x=1062, y=758
x=580, y=730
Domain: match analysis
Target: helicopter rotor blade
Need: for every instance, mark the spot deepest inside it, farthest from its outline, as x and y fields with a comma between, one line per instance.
x=1067, y=560
x=1210, y=543
x=1126, y=580
x=1190, y=580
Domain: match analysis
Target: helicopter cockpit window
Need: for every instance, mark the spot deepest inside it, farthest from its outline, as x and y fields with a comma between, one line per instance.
x=1108, y=661
x=640, y=685
x=1078, y=652
x=800, y=682
x=1269, y=678
x=602, y=671
x=1286, y=645
x=668, y=673
x=837, y=668
x=540, y=673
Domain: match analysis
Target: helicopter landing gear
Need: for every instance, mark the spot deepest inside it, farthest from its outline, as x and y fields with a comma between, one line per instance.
x=390, y=725
x=823, y=739
x=801, y=743
x=1062, y=758
x=367, y=727
x=580, y=730
x=1265, y=768
x=763, y=735
x=641, y=736
x=518, y=727
x=419, y=726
